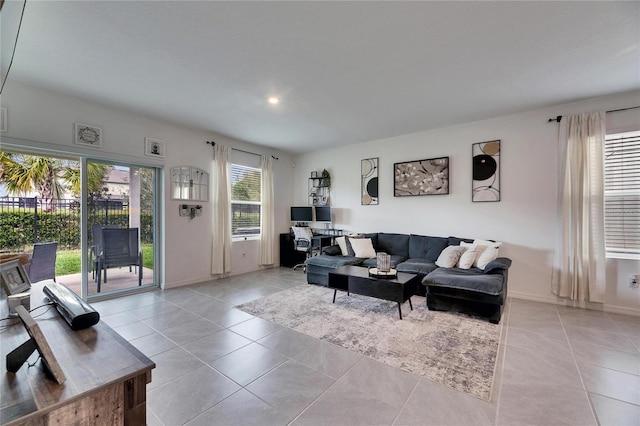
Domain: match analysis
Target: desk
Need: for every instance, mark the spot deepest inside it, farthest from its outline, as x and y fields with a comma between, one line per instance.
x=321, y=241
x=106, y=376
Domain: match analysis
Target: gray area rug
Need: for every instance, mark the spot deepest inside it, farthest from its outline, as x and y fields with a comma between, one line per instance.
x=452, y=349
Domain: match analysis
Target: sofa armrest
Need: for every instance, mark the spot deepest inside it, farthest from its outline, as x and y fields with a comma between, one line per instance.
x=332, y=250
x=497, y=266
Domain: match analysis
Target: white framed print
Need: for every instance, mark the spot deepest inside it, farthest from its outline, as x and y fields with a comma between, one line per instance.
x=87, y=135
x=3, y=119
x=153, y=147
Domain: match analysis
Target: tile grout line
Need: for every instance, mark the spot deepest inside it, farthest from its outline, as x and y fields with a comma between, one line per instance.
x=575, y=363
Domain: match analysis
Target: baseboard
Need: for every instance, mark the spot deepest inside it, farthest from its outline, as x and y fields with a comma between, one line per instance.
x=614, y=309
x=177, y=284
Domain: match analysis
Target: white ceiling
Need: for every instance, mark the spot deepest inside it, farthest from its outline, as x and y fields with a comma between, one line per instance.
x=346, y=71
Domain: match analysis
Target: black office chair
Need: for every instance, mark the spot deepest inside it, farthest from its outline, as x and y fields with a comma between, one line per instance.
x=303, y=241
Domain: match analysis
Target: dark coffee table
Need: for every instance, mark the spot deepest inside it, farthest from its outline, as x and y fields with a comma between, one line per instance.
x=356, y=279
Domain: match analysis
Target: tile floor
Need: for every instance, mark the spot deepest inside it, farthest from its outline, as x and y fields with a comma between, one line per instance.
x=218, y=365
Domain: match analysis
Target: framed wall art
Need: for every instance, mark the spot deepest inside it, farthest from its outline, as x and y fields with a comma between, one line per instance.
x=486, y=171
x=14, y=278
x=87, y=135
x=369, y=181
x=154, y=147
x=421, y=177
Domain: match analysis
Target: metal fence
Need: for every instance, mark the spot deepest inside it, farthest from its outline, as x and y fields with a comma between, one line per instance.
x=28, y=220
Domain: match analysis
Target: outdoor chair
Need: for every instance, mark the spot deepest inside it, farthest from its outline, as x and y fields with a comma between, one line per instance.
x=96, y=245
x=119, y=248
x=43, y=262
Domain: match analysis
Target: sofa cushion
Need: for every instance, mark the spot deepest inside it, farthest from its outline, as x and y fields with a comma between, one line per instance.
x=455, y=241
x=332, y=250
x=465, y=279
x=393, y=244
x=423, y=247
x=417, y=266
x=374, y=239
x=497, y=266
x=332, y=261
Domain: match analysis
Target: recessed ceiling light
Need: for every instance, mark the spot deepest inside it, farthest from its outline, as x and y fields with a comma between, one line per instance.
x=274, y=100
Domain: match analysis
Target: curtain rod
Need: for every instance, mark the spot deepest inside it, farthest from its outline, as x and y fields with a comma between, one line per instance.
x=559, y=117
x=212, y=143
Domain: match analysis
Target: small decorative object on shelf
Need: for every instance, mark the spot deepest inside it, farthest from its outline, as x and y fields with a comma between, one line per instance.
x=374, y=272
x=383, y=262
x=314, y=174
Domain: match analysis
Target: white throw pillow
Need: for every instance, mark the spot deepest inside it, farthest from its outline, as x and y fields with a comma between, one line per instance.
x=449, y=256
x=342, y=243
x=489, y=254
x=482, y=246
x=363, y=248
x=468, y=257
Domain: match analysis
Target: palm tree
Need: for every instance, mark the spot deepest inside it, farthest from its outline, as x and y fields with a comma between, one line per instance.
x=47, y=176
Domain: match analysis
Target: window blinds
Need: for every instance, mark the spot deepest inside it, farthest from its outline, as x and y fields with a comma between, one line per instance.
x=245, y=200
x=622, y=194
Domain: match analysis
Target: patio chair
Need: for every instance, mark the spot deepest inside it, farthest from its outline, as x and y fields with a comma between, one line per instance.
x=119, y=248
x=96, y=245
x=43, y=262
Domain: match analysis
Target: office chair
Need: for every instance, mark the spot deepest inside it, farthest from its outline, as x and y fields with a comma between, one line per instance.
x=303, y=242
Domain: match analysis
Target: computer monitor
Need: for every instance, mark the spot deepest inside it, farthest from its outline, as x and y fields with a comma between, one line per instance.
x=301, y=214
x=323, y=214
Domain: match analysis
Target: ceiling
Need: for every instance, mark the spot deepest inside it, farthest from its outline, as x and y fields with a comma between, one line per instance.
x=346, y=72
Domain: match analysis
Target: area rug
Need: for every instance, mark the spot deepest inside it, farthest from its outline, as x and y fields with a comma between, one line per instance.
x=452, y=349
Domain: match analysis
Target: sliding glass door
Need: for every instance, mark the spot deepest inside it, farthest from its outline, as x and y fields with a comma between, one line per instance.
x=121, y=227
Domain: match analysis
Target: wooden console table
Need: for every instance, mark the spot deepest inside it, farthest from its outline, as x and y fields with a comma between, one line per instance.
x=106, y=375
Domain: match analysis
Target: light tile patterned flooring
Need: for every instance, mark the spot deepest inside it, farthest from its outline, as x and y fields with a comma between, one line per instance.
x=217, y=365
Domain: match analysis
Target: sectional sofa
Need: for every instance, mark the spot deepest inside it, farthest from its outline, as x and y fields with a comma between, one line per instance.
x=471, y=290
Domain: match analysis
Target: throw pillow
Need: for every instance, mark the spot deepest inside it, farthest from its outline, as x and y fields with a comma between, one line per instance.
x=489, y=254
x=450, y=256
x=482, y=246
x=363, y=248
x=342, y=243
x=468, y=257
x=350, y=251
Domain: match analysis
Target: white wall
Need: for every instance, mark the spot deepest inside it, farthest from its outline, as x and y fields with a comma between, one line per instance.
x=45, y=119
x=524, y=219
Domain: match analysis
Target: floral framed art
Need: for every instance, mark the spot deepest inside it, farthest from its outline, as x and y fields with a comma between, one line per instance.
x=421, y=177
x=87, y=135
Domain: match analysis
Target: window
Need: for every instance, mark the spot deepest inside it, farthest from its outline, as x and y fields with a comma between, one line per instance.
x=245, y=200
x=622, y=195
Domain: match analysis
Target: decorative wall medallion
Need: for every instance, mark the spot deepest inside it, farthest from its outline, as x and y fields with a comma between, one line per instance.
x=486, y=171
x=369, y=181
x=421, y=177
x=88, y=135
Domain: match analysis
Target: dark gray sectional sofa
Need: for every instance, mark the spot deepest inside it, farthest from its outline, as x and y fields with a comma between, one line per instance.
x=475, y=291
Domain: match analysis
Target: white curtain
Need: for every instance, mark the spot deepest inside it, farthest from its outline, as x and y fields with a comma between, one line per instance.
x=579, y=264
x=267, y=226
x=221, y=253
